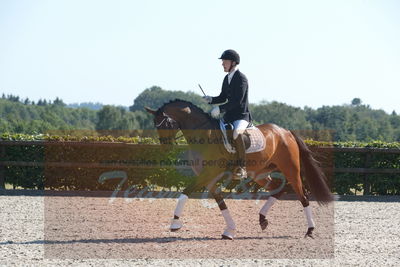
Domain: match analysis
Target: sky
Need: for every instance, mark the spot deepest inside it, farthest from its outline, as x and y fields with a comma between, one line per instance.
x=302, y=53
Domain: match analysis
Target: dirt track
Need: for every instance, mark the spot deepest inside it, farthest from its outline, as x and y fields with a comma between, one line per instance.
x=91, y=231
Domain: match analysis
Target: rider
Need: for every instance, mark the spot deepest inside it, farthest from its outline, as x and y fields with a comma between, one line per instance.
x=235, y=94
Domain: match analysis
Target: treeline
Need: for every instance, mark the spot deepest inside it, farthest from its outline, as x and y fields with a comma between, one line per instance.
x=24, y=116
x=46, y=116
x=352, y=122
x=89, y=105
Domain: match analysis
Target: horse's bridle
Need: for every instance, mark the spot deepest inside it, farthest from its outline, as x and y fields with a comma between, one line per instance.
x=168, y=120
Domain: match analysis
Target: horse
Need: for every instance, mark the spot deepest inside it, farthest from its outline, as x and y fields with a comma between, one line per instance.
x=284, y=152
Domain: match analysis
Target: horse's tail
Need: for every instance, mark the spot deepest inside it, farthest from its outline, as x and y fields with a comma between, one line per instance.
x=314, y=175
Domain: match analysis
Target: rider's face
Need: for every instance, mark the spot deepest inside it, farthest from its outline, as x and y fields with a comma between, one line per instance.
x=226, y=63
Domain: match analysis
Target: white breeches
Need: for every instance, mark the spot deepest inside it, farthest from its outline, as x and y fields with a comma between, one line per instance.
x=239, y=126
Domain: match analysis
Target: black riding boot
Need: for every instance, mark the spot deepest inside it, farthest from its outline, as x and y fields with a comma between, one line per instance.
x=240, y=172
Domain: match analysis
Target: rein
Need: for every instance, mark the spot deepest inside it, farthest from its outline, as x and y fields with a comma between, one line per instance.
x=158, y=125
x=207, y=121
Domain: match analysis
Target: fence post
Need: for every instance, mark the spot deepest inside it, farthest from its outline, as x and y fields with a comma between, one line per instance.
x=366, y=185
x=2, y=167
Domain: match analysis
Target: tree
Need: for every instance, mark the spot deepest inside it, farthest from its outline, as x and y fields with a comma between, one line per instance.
x=356, y=102
x=108, y=118
x=281, y=114
x=58, y=102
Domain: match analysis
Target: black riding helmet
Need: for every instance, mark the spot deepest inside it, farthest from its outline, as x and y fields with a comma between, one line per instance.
x=231, y=55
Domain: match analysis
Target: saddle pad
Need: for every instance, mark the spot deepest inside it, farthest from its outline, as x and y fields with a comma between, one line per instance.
x=257, y=139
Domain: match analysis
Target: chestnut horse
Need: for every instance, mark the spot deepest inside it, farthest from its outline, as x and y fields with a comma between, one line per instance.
x=284, y=152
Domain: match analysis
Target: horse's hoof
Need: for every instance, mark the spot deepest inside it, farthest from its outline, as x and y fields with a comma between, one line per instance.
x=175, y=225
x=227, y=237
x=309, y=233
x=263, y=222
x=228, y=234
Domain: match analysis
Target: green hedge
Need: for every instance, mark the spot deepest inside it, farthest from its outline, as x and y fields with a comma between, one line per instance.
x=351, y=183
x=132, y=150
x=131, y=153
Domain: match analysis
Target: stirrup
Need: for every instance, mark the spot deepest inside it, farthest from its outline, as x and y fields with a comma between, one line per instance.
x=239, y=173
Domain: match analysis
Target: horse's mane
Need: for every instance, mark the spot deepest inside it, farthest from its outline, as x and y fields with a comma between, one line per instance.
x=190, y=105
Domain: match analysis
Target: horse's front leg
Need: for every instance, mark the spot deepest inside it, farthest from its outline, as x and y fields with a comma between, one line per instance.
x=268, y=184
x=230, y=229
x=176, y=223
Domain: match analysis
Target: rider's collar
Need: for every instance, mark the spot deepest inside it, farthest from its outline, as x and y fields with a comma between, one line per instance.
x=230, y=74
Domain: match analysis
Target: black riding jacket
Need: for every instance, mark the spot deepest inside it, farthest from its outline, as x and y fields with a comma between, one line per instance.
x=236, y=95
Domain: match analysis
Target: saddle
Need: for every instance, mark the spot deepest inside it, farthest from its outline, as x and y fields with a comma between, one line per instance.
x=254, y=140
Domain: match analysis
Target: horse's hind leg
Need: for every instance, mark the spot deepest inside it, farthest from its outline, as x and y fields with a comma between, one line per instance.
x=298, y=188
x=292, y=174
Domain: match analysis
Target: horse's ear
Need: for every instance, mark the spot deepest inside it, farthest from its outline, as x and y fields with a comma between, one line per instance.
x=149, y=110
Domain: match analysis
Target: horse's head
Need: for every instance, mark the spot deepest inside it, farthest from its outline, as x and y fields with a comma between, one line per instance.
x=166, y=126
x=178, y=115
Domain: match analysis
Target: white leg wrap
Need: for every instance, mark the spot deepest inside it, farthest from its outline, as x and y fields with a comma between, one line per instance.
x=310, y=221
x=270, y=201
x=176, y=224
x=228, y=219
x=179, y=206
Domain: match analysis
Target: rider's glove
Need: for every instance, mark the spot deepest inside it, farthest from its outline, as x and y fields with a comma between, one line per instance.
x=215, y=112
x=207, y=98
